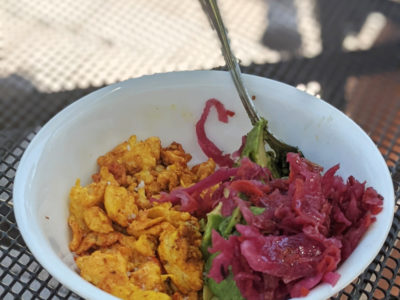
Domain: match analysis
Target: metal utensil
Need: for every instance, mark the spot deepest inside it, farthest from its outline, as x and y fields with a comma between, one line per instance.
x=211, y=9
x=278, y=164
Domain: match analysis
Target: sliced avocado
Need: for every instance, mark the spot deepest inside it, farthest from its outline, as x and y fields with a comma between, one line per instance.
x=207, y=294
x=254, y=148
x=274, y=160
x=213, y=221
x=226, y=289
x=226, y=227
x=257, y=210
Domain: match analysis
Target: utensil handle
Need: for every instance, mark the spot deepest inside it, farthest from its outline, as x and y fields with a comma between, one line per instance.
x=212, y=10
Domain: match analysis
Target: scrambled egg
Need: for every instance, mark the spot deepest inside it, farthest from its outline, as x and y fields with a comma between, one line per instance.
x=124, y=243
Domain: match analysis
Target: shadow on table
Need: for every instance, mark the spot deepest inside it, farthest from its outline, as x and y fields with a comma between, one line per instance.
x=333, y=66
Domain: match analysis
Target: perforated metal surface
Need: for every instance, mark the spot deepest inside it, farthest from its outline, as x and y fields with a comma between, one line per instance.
x=54, y=52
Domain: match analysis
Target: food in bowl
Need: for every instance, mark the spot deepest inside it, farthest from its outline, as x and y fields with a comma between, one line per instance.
x=168, y=105
x=124, y=244
x=264, y=236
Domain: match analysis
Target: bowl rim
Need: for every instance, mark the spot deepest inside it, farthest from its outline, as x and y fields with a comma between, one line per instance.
x=22, y=177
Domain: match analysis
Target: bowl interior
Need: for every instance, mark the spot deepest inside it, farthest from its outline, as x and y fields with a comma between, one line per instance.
x=168, y=106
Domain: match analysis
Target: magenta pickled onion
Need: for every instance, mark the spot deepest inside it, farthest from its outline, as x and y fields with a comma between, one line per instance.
x=226, y=256
x=331, y=277
x=295, y=231
x=189, y=198
x=309, y=224
x=302, y=288
x=208, y=147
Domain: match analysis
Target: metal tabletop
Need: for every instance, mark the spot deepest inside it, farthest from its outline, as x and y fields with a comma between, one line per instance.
x=53, y=52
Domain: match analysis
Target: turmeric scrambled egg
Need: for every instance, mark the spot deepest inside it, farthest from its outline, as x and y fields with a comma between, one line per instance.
x=124, y=243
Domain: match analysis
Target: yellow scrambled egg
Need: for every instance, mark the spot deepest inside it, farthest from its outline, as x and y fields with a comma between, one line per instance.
x=125, y=244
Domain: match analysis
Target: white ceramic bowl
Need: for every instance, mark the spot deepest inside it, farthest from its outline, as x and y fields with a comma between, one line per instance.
x=168, y=106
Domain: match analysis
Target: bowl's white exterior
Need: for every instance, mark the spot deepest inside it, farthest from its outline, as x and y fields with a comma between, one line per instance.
x=168, y=105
